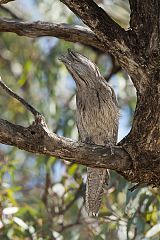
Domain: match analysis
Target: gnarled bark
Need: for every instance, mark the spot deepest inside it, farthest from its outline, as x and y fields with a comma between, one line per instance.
x=38, y=139
x=40, y=29
x=143, y=142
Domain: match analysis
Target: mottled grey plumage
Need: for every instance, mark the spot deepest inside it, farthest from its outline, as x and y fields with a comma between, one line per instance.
x=97, y=118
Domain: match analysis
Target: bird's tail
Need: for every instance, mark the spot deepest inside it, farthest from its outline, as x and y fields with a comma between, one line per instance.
x=97, y=178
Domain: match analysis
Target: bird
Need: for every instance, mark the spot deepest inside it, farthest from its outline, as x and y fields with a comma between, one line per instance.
x=97, y=117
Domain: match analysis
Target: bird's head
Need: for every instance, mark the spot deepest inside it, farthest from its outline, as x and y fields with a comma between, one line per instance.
x=87, y=76
x=83, y=71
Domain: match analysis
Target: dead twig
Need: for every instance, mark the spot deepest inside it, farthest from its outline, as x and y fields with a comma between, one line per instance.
x=20, y=99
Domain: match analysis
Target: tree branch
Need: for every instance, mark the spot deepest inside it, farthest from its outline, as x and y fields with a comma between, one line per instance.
x=38, y=139
x=20, y=99
x=63, y=31
x=73, y=34
x=114, y=38
x=108, y=31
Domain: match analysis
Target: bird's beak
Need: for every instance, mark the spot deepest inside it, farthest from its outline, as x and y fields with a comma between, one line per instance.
x=68, y=58
x=63, y=59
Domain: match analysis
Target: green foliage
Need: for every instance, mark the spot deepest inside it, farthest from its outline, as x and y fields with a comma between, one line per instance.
x=42, y=197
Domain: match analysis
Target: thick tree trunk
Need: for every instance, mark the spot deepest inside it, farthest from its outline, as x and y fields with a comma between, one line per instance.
x=143, y=142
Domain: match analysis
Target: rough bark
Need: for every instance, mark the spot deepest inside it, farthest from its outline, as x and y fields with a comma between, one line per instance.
x=38, y=139
x=143, y=142
x=114, y=38
x=63, y=31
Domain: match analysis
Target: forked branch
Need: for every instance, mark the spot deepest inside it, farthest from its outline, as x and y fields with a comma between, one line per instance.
x=99, y=21
x=114, y=38
x=37, y=138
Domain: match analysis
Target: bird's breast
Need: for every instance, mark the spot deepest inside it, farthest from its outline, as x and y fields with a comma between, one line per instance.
x=97, y=124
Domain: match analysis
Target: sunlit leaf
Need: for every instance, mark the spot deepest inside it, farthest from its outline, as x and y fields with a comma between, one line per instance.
x=20, y=222
x=71, y=169
x=10, y=210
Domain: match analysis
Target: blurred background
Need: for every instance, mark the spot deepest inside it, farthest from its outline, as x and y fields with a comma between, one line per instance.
x=42, y=197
